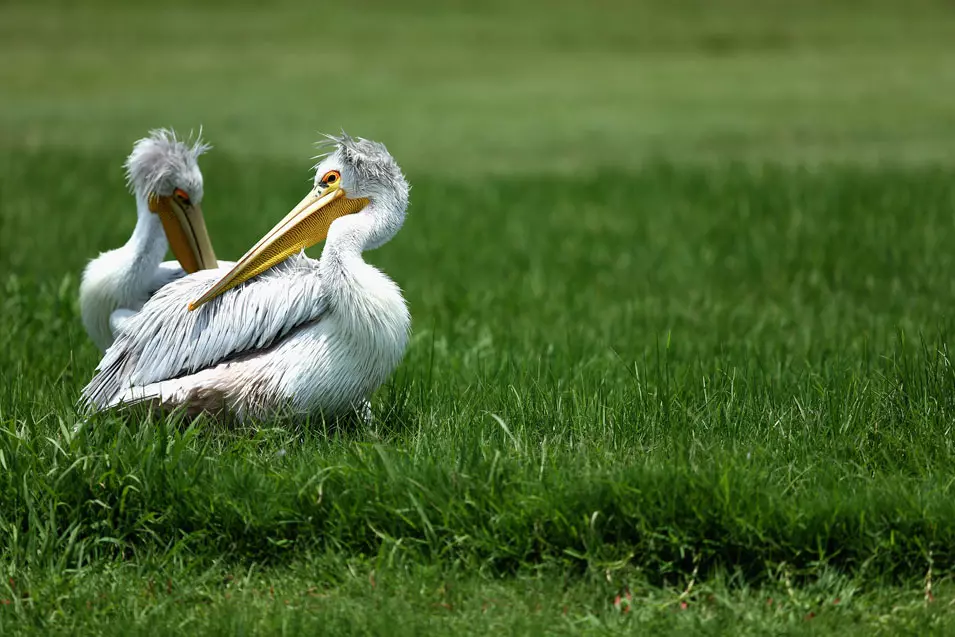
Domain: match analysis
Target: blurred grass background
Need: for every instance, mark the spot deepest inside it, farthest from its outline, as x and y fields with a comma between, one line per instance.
x=488, y=87
x=681, y=283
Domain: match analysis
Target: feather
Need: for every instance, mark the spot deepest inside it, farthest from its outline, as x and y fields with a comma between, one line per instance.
x=165, y=341
x=160, y=158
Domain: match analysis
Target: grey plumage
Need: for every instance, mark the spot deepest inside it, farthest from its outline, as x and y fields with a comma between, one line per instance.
x=162, y=156
x=370, y=160
x=164, y=340
x=376, y=175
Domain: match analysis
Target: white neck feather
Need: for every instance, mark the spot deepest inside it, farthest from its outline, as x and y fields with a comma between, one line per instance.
x=148, y=245
x=347, y=238
x=122, y=278
x=344, y=271
x=369, y=302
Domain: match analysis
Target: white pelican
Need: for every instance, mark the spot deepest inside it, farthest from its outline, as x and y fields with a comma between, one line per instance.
x=163, y=174
x=305, y=336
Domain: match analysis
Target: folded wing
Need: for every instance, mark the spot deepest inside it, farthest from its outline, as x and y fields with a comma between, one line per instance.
x=169, y=271
x=164, y=340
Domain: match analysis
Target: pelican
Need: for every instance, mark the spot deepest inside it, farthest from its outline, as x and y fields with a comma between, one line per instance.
x=278, y=332
x=163, y=174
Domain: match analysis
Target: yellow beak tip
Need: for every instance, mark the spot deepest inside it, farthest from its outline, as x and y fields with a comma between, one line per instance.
x=192, y=306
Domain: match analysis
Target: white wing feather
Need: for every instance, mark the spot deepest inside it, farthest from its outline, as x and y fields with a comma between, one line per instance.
x=169, y=271
x=164, y=340
x=166, y=273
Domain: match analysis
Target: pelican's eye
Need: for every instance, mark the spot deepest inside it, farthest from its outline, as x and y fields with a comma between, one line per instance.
x=331, y=177
x=182, y=195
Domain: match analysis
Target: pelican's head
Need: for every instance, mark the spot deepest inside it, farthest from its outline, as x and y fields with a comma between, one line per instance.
x=363, y=170
x=354, y=177
x=163, y=171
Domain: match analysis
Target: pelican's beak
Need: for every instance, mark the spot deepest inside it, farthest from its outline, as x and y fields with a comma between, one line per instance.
x=186, y=232
x=303, y=227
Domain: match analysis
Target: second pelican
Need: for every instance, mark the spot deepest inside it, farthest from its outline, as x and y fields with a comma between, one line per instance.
x=279, y=331
x=163, y=174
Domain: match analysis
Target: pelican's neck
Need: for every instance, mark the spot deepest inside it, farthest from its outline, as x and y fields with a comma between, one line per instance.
x=342, y=255
x=367, y=300
x=148, y=244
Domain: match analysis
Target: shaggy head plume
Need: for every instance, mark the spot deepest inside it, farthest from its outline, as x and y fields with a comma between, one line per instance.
x=161, y=162
x=368, y=169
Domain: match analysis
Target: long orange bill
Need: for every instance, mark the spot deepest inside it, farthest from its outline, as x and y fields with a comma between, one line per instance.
x=186, y=232
x=303, y=227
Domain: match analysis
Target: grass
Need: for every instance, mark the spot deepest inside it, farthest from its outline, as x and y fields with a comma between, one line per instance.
x=722, y=387
x=421, y=600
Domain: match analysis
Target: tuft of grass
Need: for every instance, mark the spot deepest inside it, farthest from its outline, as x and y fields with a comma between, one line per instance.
x=324, y=595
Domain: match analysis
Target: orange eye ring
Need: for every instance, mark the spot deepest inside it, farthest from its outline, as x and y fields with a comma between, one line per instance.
x=181, y=194
x=332, y=177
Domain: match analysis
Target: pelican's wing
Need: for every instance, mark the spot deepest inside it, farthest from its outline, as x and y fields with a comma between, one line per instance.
x=169, y=271
x=166, y=273
x=164, y=340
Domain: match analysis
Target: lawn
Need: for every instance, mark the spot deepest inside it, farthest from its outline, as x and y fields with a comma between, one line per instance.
x=681, y=284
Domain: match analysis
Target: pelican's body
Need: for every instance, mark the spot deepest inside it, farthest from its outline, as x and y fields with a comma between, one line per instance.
x=117, y=283
x=304, y=336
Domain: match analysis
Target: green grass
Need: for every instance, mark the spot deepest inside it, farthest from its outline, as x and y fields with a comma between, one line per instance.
x=724, y=386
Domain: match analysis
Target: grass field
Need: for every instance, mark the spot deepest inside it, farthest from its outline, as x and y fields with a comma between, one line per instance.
x=681, y=282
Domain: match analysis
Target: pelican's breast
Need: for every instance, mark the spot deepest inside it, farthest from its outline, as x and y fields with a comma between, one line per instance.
x=335, y=363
